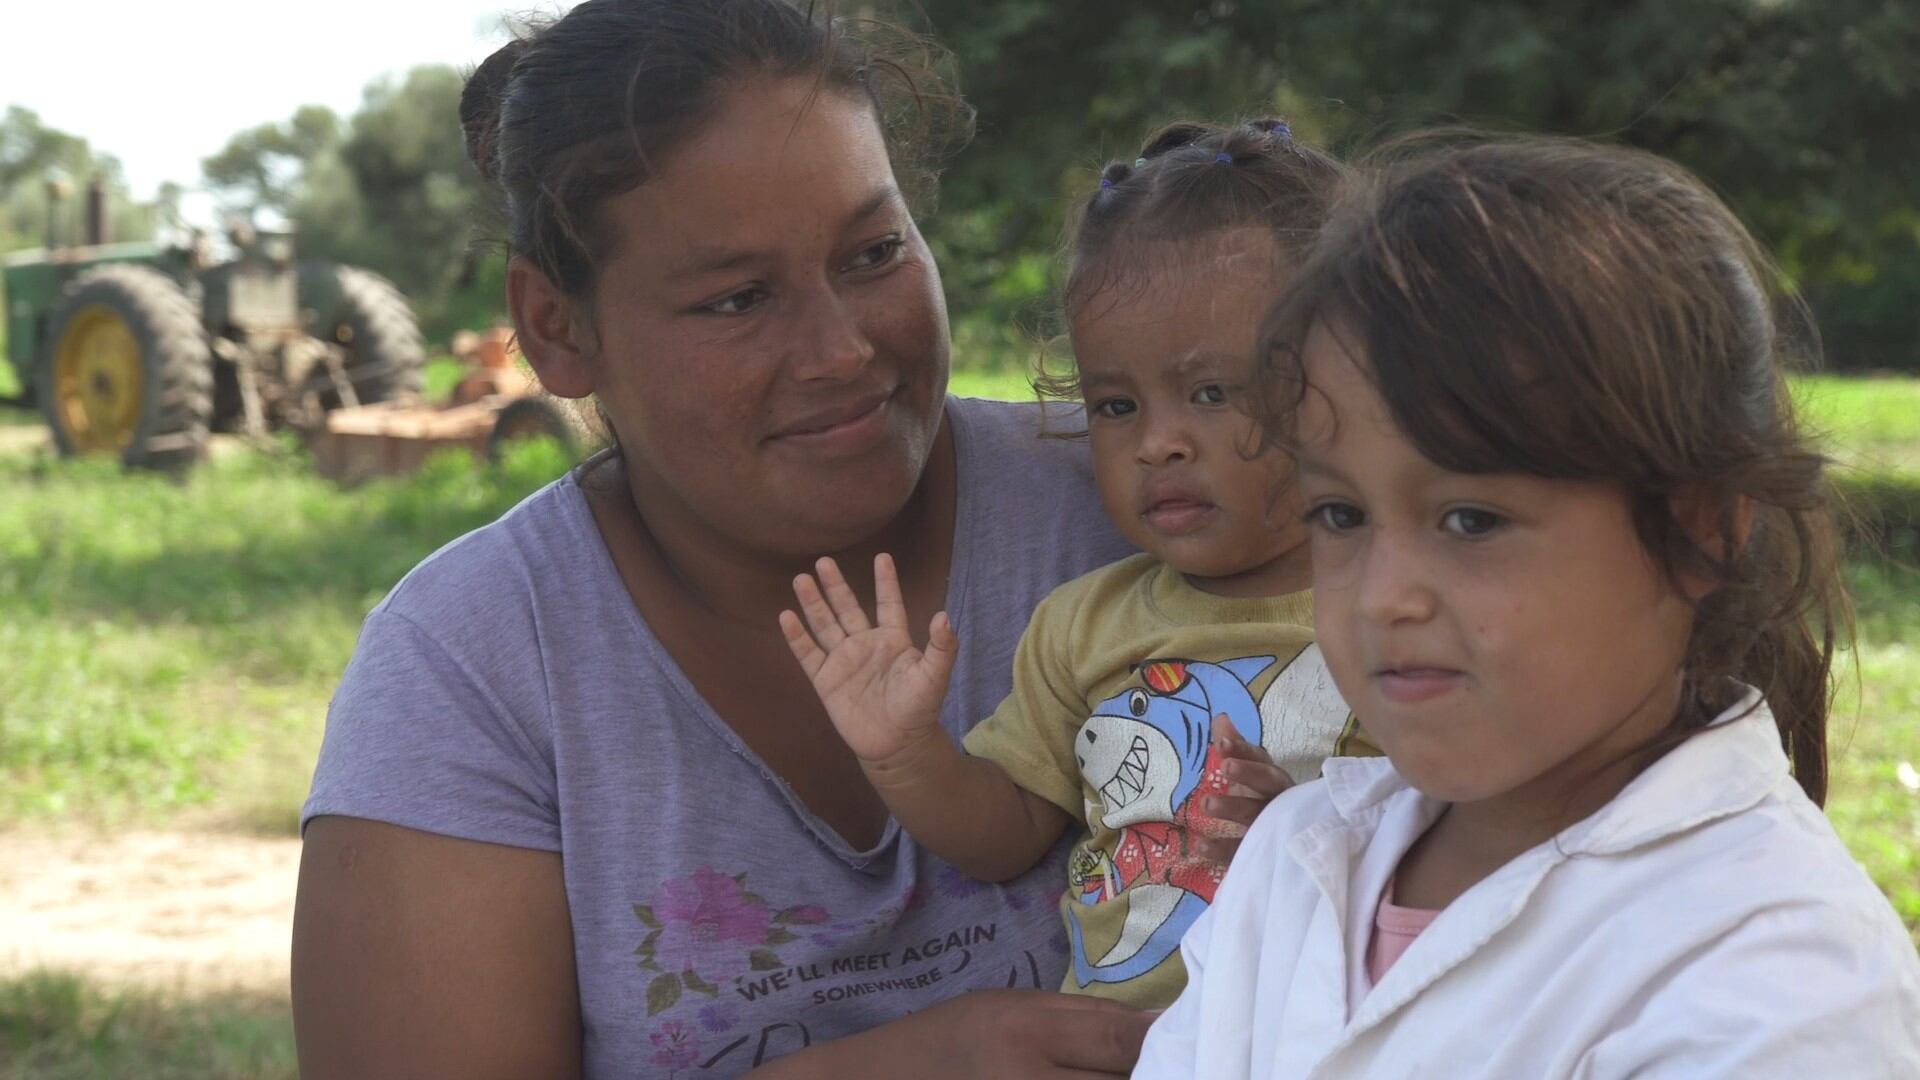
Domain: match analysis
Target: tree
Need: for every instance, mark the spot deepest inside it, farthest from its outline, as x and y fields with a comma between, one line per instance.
x=1800, y=111
x=261, y=168
x=31, y=155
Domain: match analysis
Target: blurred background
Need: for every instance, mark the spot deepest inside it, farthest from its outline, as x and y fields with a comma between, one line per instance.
x=169, y=637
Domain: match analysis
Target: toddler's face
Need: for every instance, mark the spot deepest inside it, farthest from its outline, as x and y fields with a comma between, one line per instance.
x=1163, y=360
x=1501, y=636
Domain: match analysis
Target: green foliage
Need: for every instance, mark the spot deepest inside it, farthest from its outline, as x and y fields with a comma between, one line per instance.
x=262, y=168
x=1800, y=111
x=59, y=1026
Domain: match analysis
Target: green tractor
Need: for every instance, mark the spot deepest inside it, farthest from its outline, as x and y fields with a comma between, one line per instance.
x=140, y=350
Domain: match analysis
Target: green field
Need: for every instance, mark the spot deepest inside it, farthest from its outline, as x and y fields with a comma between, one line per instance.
x=170, y=648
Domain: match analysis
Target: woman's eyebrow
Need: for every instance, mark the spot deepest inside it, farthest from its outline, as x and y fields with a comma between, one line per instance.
x=884, y=196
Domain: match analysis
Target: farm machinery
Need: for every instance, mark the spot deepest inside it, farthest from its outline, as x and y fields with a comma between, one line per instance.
x=139, y=350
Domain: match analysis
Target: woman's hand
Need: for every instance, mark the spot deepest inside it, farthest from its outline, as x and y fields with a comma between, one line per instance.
x=882, y=693
x=1253, y=781
x=986, y=1034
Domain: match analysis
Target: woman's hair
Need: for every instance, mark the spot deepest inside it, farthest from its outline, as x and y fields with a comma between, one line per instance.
x=585, y=107
x=1591, y=313
x=1190, y=183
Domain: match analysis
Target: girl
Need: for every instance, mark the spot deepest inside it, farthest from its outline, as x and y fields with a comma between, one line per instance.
x=1574, y=569
x=1131, y=682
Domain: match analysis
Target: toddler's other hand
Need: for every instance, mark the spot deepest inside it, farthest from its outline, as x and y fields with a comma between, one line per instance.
x=1253, y=781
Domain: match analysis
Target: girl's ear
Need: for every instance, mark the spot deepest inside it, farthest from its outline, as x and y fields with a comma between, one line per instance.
x=552, y=336
x=1718, y=529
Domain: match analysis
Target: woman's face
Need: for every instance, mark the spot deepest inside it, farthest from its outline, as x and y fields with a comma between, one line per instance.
x=771, y=341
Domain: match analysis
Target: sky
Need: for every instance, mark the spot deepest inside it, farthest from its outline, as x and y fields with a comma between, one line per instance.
x=162, y=85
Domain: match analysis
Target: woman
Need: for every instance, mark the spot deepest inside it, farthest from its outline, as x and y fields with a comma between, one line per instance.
x=578, y=812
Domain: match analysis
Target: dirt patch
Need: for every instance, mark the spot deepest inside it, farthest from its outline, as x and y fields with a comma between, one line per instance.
x=176, y=910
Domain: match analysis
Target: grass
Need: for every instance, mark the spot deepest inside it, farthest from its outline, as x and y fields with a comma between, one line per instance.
x=170, y=648
x=172, y=645
x=58, y=1026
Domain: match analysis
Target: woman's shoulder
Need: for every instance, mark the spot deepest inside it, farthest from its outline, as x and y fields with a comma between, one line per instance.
x=501, y=562
x=1037, y=438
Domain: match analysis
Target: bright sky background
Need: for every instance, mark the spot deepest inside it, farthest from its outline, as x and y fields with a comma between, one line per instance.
x=162, y=85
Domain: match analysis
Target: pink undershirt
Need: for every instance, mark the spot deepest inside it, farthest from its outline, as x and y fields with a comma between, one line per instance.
x=1394, y=928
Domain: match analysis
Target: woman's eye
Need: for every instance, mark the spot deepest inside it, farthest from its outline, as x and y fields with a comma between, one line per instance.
x=738, y=303
x=1210, y=394
x=1337, y=517
x=1470, y=522
x=1114, y=408
x=878, y=255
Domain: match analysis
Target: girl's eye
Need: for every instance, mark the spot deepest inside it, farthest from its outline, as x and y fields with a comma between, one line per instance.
x=878, y=255
x=1337, y=517
x=1114, y=408
x=1210, y=394
x=1469, y=522
x=738, y=303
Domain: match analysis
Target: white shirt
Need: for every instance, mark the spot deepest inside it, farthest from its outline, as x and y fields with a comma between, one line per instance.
x=1707, y=922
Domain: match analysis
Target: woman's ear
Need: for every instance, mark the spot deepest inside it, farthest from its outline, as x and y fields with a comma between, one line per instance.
x=552, y=335
x=1717, y=527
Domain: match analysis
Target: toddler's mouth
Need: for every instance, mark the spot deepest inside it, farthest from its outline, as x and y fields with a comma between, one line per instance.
x=1178, y=514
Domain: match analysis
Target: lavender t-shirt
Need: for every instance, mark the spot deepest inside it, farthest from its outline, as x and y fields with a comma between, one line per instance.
x=508, y=691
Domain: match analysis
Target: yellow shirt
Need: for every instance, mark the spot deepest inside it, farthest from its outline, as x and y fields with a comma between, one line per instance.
x=1118, y=684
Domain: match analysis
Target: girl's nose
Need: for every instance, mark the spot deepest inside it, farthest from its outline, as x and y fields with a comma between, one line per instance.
x=1164, y=440
x=1394, y=584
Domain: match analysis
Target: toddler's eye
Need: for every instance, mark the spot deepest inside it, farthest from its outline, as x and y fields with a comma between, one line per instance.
x=1114, y=408
x=738, y=303
x=1469, y=522
x=878, y=255
x=1210, y=394
x=1336, y=517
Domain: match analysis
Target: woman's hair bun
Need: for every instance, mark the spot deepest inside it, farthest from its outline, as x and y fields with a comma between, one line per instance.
x=480, y=105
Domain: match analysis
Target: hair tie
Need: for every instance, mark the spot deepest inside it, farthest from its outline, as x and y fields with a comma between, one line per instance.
x=1223, y=158
x=1139, y=163
x=1105, y=183
x=1280, y=128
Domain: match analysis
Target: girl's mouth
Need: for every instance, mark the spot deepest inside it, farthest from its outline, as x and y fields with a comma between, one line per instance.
x=1411, y=685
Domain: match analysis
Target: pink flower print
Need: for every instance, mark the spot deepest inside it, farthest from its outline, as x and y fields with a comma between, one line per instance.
x=674, y=1046
x=809, y=914
x=709, y=924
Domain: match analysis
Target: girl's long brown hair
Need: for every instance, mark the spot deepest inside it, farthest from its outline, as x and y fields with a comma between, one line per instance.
x=1591, y=313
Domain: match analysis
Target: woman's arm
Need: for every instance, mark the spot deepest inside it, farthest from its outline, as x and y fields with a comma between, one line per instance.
x=420, y=955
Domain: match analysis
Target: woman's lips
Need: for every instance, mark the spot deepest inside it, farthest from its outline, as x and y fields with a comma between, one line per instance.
x=1412, y=685
x=850, y=427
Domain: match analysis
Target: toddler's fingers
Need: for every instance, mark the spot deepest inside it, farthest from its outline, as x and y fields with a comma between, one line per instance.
x=1234, y=808
x=1219, y=851
x=942, y=646
x=889, y=607
x=820, y=618
x=802, y=644
x=1261, y=779
x=1235, y=745
x=853, y=617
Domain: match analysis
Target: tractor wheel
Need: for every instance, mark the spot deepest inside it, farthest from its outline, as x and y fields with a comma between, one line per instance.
x=531, y=417
x=385, y=354
x=127, y=369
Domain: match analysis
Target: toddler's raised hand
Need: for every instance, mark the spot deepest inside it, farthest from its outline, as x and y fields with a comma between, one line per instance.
x=881, y=693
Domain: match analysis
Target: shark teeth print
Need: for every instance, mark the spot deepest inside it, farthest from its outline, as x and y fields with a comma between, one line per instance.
x=1130, y=779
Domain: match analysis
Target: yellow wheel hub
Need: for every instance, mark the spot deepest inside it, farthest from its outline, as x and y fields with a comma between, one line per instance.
x=97, y=381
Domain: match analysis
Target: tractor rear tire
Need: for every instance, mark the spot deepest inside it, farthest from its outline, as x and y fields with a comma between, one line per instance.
x=532, y=417
x=386, y=356
x=127, y=369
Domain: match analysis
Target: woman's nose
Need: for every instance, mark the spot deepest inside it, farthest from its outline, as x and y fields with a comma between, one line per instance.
x=830, y=342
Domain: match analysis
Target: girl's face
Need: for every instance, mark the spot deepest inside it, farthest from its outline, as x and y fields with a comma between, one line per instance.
x=1163, y=361
x=771, y=337
x=1503, y=636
